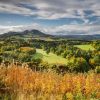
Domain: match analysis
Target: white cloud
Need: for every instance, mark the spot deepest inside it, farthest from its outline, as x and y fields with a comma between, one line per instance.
x=64, y=29
x=76, y=29
x=53, y=9
x=18, y=28
x=11, y=8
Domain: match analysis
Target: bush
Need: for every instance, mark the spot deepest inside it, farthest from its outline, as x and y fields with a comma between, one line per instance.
x=8, y=48
x=97, y=69
x=1, y=59
x=37, y=60
x=95, y=61
x=28, y=50
x=78, y=64
x=23, y=57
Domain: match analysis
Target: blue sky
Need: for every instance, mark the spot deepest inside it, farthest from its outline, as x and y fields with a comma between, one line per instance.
x=51, y=16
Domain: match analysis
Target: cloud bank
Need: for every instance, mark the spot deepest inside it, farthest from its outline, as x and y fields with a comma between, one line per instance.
x=86, y=10
x=56, y=30
x=53, y=9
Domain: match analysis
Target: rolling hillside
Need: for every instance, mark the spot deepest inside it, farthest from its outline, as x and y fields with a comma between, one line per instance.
x=25, y=34
x=39, y=34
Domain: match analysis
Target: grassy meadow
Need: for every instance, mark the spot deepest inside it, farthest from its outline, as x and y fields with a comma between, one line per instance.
x=50, y=58
x=85, y=47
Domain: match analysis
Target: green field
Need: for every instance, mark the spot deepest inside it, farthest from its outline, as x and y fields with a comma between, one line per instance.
x=50, y=58
x=85, y=47
x=53, y=58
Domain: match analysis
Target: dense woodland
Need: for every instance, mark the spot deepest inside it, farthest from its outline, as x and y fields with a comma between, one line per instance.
x=23, y=50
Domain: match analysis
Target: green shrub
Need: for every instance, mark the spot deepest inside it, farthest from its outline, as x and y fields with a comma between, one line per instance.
x=24, y=57
x=97, y=69
x=78, y=64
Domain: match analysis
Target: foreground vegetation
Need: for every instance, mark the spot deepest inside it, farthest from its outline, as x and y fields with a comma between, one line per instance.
x=21, y=83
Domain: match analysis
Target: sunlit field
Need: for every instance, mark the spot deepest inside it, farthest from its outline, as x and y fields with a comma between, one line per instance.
x=85, y=47
x=50, y=58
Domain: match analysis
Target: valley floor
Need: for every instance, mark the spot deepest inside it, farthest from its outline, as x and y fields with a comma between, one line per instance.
x=50, y=58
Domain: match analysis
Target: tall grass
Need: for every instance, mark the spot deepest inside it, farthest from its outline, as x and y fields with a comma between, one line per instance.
x=21, y=83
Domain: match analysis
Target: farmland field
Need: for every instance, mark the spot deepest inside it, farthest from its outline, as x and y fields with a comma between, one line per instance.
x=85, y=47
x=50, y=58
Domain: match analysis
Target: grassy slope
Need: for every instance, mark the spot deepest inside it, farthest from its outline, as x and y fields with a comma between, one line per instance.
x=50, y=58
x=85, y=47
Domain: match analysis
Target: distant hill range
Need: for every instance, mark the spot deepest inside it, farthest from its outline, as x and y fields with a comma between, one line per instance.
x=26, y=33
x=39, y=34
x=81, y=37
